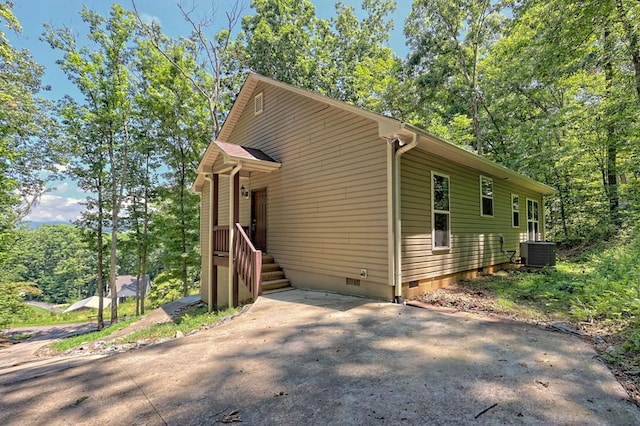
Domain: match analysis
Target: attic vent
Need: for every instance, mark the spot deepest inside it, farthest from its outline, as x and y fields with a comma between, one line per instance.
x=258, y=104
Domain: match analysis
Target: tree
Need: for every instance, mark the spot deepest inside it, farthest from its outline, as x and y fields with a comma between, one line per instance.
x=217, y=56
x=12, y=300
x=179, y=140
x=102, y=75
x=55, y=259
x=346, y=58
x=564, y=111
x=365, y=67
x=279, y=40
x=448, y=40
x=27, y=145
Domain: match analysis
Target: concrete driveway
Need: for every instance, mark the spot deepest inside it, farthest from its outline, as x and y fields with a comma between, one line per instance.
x=311, y=358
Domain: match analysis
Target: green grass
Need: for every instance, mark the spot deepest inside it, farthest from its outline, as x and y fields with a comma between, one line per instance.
x=539, y=292
x=602, y=290
x=192, y=319
x=38, y=316
x=72, y=342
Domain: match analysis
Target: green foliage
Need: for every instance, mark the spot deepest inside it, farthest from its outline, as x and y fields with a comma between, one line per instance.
x=191, y=320
x=612, y=292
x=562, y=109
x=604, y=290
x=34, y=315
x=56, y=259
x=27, y=143
x=167, y=287
x=279, y=39
x=12, y=304
x=72, y=342
x=346, y=58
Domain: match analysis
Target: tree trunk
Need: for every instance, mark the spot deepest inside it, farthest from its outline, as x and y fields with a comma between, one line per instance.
x=633, y=38
x=183, y=233
x=562, y=195
x=145, y=243
x=475, y=121
x=99, y=266
x=611, y=183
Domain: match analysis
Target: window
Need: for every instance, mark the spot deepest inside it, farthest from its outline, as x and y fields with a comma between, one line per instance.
x=258, y=104
x=441, y=230
x=532, y=220
x=515, y=210
x=486, y=196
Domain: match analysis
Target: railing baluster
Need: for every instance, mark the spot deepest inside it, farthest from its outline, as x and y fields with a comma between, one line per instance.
x=248, y=263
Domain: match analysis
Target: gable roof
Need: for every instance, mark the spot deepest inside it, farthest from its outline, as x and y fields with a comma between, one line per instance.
x=88, y=303
x=388, y=128
x=126, y=285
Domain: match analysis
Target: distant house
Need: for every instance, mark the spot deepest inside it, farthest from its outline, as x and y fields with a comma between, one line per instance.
x=346, y=200
x=91, y=302
x=126, y=286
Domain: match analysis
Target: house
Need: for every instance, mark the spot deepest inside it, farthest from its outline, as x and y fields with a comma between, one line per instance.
x=91, y=302
x=127, y=286
x=349, y=201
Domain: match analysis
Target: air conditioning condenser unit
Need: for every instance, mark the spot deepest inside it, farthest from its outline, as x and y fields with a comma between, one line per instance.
x=538, y=253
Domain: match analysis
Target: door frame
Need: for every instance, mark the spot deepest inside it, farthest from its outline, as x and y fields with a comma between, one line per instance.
x=253, y=217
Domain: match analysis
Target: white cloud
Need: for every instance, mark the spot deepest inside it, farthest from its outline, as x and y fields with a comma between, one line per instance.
x=55, y=208
x=150, y=19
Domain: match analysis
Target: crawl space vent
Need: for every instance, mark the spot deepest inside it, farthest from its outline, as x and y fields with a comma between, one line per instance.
x=258, y=104
x=353, y=281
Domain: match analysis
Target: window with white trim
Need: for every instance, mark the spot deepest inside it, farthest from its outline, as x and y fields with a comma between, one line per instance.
x=486, y=196
x=533, y=223
x=440, y=212
x=515, y=210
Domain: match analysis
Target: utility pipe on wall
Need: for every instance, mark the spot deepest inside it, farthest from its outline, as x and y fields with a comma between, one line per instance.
x=232, y=226
x=210, y=245
x=397, y=200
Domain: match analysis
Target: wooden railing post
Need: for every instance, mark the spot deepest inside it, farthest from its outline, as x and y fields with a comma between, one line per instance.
x=248, y=264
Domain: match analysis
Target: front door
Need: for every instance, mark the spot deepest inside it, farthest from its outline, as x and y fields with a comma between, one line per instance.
x=259, y=219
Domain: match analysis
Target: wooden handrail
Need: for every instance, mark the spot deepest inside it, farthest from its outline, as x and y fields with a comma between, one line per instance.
x=248, y=261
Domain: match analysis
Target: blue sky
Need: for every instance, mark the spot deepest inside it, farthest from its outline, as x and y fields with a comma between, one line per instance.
x=62, y=202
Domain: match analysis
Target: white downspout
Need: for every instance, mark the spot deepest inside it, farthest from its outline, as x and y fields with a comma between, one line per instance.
x=210, y=244
x=235, y=171
x=397, y=230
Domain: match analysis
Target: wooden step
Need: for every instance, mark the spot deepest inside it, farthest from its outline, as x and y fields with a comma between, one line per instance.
x=272, y=275
x=267, y=259
x=270, y=267
x=275, y=284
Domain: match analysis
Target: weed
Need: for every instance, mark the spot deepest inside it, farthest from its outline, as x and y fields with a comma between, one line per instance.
x=192, y=319
x=72, y=342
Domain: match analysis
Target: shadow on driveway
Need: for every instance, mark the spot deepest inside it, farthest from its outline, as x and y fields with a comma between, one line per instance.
x=301, y=357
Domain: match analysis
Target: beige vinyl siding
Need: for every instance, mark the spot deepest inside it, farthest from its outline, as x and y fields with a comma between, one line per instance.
x=475, y=239
x=223, y=202
x=327, y=205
